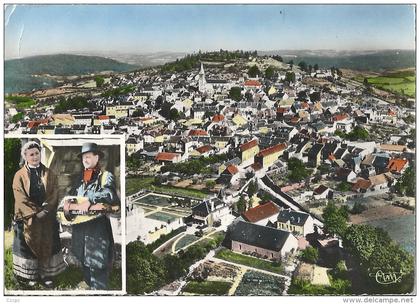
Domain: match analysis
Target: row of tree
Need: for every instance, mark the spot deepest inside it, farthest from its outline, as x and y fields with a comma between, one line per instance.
x=373, y=249
x=192, y=61
x=195, y=166
x=147, y=272
x=72, y=103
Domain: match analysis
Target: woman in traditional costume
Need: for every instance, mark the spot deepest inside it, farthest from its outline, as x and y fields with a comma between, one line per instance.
x=37, y=255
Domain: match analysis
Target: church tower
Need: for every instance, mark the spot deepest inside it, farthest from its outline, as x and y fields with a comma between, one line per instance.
x=201, y=80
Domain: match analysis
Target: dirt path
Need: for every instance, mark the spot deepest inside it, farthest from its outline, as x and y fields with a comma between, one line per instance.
x=238, y=280
x=378, y=213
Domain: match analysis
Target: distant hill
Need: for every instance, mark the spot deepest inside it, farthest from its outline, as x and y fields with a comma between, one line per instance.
x=378, y=61
x=19, y=73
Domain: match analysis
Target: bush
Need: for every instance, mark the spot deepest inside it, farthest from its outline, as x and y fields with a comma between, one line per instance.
x=344, y=187
x=310, y=255
x=163, y=238
x=340, y=270
x=358, y=208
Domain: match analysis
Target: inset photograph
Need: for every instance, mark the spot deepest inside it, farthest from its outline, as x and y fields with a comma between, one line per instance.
x=63, y=225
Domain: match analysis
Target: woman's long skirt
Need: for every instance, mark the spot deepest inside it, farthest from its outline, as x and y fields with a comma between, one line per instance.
x=25, y=263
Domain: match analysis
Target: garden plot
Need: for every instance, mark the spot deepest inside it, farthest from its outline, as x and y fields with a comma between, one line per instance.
x=185, y=241
x=260, y=284
x=215, y=271
x=152, y=199
x=163, y=217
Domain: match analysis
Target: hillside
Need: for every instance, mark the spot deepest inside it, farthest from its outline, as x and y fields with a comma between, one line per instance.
x=365, y=61
x=30, y=73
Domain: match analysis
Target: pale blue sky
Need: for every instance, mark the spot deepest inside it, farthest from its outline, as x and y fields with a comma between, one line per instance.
x=44, y=29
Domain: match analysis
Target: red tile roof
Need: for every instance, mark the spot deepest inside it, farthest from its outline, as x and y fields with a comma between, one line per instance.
x=252, y=83
x=321, y=189
x=391, y=112
x=261, y=212
x=271, y=150
x=103, y=117
x=232, y=169
x=340, y=117
x=361, y=184
x=33, y=124
x=248, y=145
x=295, y=120
x=397, y=164
x=256, y=166
x=218, y=117
x=331, y=157
x=166, y=156
x=198, y=132
x=282, y=110
x=304, y=105
x=203, y=149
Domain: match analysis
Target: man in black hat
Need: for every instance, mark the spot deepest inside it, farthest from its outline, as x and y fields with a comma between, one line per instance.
x=92, y=241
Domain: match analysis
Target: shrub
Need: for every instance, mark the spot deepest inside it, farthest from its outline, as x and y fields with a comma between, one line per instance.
x=310, y=255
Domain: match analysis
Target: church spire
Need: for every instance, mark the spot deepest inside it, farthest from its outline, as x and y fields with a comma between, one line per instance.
x=201, y=80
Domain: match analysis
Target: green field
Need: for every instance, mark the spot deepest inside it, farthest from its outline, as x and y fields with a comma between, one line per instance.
x=135, y=184
x=21, y=102
x=403, y=82
x=208, y=288
x=227, y=255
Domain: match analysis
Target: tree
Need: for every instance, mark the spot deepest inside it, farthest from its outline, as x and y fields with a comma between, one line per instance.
x=362, y=240
x=165, y=110
x=315, y=96
x=18, y=117
x=340, y=133
x=409, y=119
x=174, y=114
x=316, y=67
x=248, y=96
x=310, y=255
x=335, y=219
x=210, y=184
x=254, y=71
x=138, y=113
x=278, y=58
x=99, y=81
x=297, y=170
x=12, y=148
x=269, y=72
x=72, y=103
x=303, y=66
x=358, y=133
x=290, y=77
x=174, y=266
x=252, y=188
x=406, y=184
x=375, y=251
x=235, y=93
x=241, y=205
x=340, y=269
x=143, y=267
x=310, y=68
x=343, y=187
x=133, y=162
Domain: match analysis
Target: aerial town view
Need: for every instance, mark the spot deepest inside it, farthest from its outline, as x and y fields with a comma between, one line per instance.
x=263, y=157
